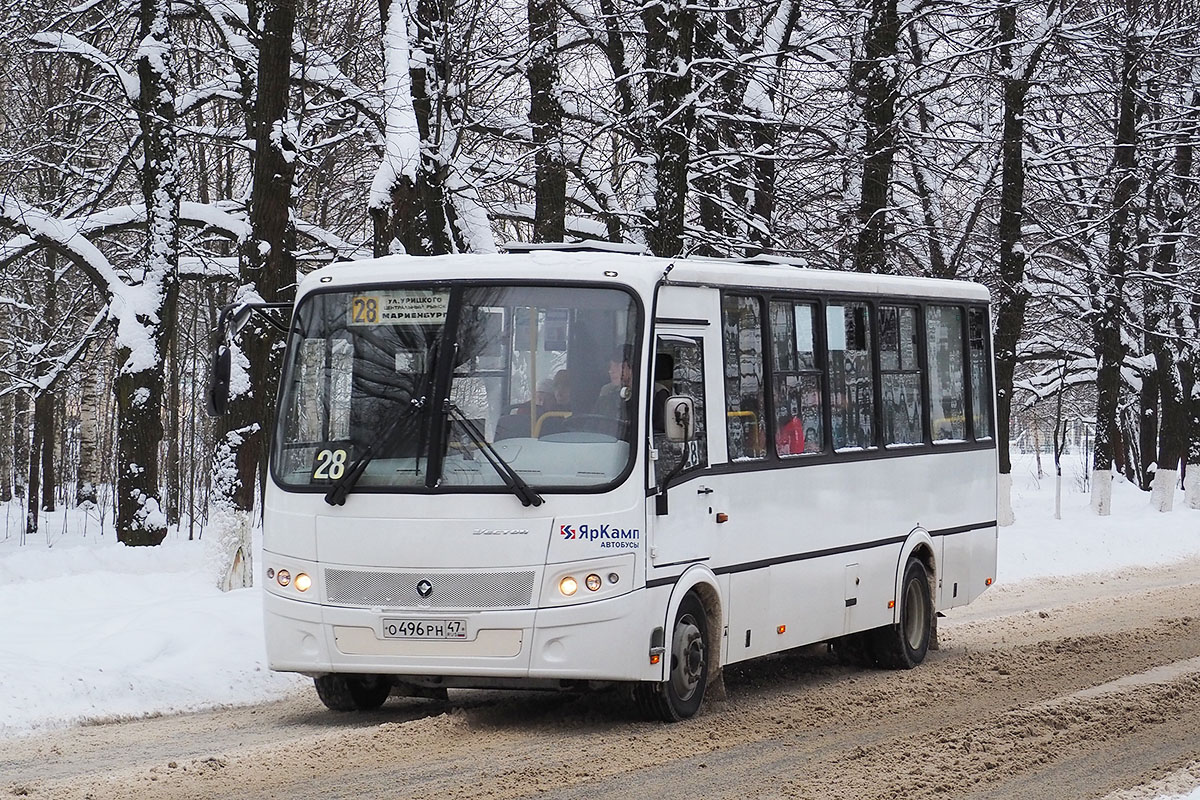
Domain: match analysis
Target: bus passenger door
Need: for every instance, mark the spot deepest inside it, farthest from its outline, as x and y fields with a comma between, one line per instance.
x=683, y=522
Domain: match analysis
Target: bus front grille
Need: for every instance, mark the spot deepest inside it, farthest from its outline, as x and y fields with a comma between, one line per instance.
x=430, y=590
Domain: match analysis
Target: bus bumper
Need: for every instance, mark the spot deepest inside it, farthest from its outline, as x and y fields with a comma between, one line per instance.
x=605, y=640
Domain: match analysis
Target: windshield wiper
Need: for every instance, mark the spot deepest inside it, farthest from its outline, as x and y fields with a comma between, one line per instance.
x=340, y=488
x=511, y=478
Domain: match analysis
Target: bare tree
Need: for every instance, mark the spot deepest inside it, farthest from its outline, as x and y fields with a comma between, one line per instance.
x=1109, y=286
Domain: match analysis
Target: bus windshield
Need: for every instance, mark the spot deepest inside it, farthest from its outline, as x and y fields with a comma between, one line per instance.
x=415, y=388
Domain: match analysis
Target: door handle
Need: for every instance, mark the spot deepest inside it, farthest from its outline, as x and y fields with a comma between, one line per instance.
x=704, y=490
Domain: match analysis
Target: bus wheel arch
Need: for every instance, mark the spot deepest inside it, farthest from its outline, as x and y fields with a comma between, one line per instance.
x=692, y=652
x=918, y=546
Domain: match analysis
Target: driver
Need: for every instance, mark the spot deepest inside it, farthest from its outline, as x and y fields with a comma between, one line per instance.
x=616, y=396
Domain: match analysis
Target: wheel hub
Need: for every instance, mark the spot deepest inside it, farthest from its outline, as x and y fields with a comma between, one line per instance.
x=687, y=667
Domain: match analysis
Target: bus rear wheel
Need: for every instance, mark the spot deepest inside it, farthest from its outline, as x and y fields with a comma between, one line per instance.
x=904, y=645
x=353, y=692
x=679, y=697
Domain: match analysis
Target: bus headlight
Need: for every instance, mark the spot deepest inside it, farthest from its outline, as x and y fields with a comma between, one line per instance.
x=587, y=581
x=303, y=582
x=283, y=577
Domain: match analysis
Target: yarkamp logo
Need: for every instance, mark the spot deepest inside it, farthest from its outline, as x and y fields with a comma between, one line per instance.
x=609, y=536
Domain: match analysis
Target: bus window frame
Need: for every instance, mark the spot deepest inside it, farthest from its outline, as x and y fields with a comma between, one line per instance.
x=766, y=295
x=638, y=338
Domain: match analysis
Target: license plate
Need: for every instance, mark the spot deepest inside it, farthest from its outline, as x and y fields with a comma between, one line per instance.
x=424, y=629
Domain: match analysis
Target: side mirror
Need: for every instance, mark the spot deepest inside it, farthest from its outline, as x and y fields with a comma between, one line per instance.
x=232, y=319
x=679, y=418
x=217, y=396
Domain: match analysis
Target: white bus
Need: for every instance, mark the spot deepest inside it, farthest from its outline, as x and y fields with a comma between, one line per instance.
x=561, y=469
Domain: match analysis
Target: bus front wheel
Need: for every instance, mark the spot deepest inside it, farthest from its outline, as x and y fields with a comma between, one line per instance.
x=904, y=645
x=681, y=694
x=352, y=692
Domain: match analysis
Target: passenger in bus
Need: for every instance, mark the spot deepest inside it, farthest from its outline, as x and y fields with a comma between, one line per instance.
x=560, y=392
x=616, y=395
x=789, y=439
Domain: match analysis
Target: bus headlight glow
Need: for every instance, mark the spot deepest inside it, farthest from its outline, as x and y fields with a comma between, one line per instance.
x=593, y=582
x=568, y=586
x=303, y=582
x=283, y=577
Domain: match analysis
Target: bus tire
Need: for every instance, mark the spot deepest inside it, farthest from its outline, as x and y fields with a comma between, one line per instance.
x=680, y=696
x=352, y=692
x=904, y=645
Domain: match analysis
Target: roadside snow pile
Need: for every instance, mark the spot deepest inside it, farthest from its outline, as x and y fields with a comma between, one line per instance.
x=91, y=629
x=1134, y=534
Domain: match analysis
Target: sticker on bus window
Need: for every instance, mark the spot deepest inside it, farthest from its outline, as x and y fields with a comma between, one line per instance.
x=330, y=461
x=399, y=306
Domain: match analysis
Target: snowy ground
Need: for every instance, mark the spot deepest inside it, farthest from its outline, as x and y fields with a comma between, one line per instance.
x=90, y=629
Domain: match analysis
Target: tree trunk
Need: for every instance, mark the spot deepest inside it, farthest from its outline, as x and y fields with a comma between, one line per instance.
x=88, y=478
x=709, y=183
x=423, y=219
x=1109, y=298
x=546, y=118
x=875, y=80
x=670, y=37
x=6, y=448
x=139, y=387
x=1165, y=318
x=43, y=404
x=174, y=404
x=1189, y=377
x=1147, y=423
x=1012, y=296
x=268, y=265
x=31, y=500
x=268, y=268
x=20, y=439
x=44, y=421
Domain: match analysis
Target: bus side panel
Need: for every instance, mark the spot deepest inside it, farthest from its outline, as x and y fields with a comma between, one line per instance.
x=955, y=577
x=868, y=601
x=806, y=597
x=830, y=536
x=969, y=564
x=983, y=560
x=749, y=595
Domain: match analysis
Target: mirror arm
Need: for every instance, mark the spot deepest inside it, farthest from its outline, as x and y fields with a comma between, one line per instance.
x=660, y=496
x=235, y=316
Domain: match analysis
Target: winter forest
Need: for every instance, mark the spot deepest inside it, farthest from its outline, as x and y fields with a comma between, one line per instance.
x=162, y=158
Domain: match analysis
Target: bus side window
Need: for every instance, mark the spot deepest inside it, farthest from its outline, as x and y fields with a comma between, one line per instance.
x=851, y=382
x=981, y=390
x=745, y=390
x=678, y=370
x=947, y=387
x=903, y=416
x=798, y=390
